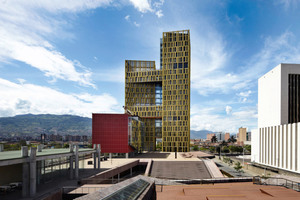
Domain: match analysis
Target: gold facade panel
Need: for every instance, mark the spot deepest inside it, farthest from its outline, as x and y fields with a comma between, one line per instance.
x=168, y=119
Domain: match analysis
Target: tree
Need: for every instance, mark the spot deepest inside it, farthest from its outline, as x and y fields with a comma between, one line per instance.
x=238, y=167
x=233, y=148
x=218, y=149
x=248, y=148
x=22, y=143
x=225, y=149
x=224, y=143
x=158, y=146
x=212, y=149
x=227, y=160
x=239, y=149
x=195, y=148
x=232, y=139
x=213, y=139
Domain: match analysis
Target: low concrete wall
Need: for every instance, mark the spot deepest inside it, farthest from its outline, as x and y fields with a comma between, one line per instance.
x=213, y=170
x=149, y=164
x=149, y=193
x=57, y=195
x=98, y=178
x=260, y=171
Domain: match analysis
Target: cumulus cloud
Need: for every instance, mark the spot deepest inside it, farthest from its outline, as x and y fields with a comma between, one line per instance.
x=209, y=118
x=245, y=94
x=145, y=6
x=142, y=5
x=29, y=98
x=210, y=76
x=24, y=27
x=228, y=109
x=159, y=13
x=159, y=4
x=61, y=6
x=23, y=105
x=209, y=58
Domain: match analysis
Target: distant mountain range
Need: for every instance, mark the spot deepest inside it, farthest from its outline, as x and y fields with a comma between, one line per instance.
x=34, y=125
x=199, y=134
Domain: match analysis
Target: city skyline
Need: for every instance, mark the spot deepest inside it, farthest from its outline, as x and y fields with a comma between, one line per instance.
x=68, y=58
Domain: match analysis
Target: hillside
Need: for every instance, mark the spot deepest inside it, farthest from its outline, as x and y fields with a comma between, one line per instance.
x=34, y=125
x=199, y=134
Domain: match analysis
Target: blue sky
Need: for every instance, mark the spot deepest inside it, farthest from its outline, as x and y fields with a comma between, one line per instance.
x=67, y=57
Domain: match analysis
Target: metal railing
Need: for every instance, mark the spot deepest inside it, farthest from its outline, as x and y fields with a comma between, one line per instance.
x=277, y=182
x=79, y=190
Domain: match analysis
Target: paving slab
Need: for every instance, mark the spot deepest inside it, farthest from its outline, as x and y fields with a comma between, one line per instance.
x=179, y=170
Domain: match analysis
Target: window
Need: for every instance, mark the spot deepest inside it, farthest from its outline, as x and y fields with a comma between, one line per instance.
x=186, y=65
x=175, y=66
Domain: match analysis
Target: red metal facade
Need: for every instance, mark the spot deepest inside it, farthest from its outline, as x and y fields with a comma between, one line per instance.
x=111, y=131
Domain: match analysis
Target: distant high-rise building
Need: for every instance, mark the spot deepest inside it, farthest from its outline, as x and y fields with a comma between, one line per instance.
x=276, y=143
x=220, y=136
x=161, y=97
x=227, y=136
x=242, y=135
x=43, y=138
x=209, y=136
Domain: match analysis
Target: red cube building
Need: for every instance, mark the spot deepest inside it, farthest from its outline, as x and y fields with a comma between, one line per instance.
x=112, y=132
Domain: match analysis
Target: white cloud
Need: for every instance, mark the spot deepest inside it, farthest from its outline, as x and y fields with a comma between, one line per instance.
x=209, y=57
x=209, y=63
x=228, y=109
x=159, y=13
x=245, y=94
x=136, y=24
x=127, y=17
x=281, y=49
x=24, y=25
x=288, y=3
x=60, y=6
x=145, y=6
x=159, y=4
x=208, y=118
x=28, y=98
x=21, y=81
x=142, y=5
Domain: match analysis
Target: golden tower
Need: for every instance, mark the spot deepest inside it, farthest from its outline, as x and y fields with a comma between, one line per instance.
x=161, y=97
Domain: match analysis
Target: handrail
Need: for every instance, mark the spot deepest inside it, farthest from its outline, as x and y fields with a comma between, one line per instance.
x=79, y=190
x=277, y=181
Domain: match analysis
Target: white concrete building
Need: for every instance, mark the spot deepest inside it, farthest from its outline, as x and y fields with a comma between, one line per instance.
x=220, y=136
x=276, y=143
